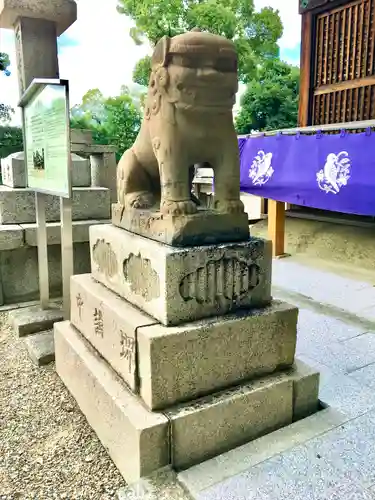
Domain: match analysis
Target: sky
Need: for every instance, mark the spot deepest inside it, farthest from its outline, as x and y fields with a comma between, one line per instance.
x=97, y=51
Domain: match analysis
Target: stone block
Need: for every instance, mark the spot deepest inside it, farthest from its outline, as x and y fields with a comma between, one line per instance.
x=180, y=436
x=206, y=227
x=62, y=12
x=41, y=347
x=11, y=236
x=137, y=440
x=218, y=423
x=81, y=172
x=305, y=391
x=109, y=323
x=176, y=285
x=108, y=176
x=14, y=174
x=17, y=206
x=81, y=136
x=187, y=361
x=80, y=232
x=20, y=276
x=29, y=320
x=13, y=171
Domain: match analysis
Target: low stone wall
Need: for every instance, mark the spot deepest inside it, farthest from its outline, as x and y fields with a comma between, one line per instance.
x=19, y=277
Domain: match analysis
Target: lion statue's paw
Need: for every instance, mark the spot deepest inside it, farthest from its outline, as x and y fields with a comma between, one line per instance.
x=185, y=207
x=230, y=206
x=139, y=200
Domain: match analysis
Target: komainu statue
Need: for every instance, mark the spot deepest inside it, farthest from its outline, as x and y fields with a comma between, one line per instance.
x=187, y=120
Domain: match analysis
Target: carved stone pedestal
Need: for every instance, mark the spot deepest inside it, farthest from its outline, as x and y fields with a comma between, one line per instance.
x=181, y=284
x=160, y=395
x=206, y=227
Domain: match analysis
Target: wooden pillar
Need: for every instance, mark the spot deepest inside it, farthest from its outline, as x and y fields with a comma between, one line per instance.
x=305, y=110
x=276, y=209
x=276, y=226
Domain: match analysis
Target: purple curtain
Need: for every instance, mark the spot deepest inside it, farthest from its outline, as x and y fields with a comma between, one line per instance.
x=330, y=172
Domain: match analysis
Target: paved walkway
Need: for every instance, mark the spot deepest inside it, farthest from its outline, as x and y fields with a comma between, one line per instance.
x=330, y=455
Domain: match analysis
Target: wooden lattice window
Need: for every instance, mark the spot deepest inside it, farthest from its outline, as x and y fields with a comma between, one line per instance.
x=344, y=69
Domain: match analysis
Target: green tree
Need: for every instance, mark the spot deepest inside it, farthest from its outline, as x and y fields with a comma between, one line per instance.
x=113, y=120
x=271, y=100
x=6, y=111
x=11, y=140
x=255, y=34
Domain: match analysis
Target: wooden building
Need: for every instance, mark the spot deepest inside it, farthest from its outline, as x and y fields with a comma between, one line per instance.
x=337, y=61
x=337, y=82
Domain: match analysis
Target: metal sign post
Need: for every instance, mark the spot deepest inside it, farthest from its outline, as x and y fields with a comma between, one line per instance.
x=46, y=126
x=41, y=233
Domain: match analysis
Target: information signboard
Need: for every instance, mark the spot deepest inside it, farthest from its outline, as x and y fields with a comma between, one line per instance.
x=47, y=137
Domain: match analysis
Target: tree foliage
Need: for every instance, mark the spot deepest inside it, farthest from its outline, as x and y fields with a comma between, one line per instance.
x=5, y=110
x=271, y=100
x=113, y=120
x=255, y=34
x=11, y=140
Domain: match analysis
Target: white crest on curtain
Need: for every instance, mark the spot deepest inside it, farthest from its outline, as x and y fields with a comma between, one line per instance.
x=261, y=169
x=335, y=174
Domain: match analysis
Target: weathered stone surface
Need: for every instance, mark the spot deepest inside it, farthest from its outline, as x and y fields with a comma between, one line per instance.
x=62, y=12
x=13, y=171
x=188, y=120
x=81, y=173
x=80, y=232
x=11, y=236
x=78, y=136
x=161, y=485
x=305, y=391
x=223, y=421
x=17, y=206
x=19, y=271
x=28, y=320
x=187, y=361
x=109, y=323
x=238, y=460
x=176, y=285
x=41, y=347
x=108, y=174
x=137, y=440
x=203, y=228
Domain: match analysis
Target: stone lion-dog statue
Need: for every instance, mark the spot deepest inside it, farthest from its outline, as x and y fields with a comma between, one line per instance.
x=187, y=120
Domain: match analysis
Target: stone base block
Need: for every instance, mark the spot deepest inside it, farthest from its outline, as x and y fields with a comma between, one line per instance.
x=109, y=323
x=167, y=365
x=141, y=441
x=17, y=206
x=175, y=285
x=29, y=320
x=41, y=347
x=187, y=361
x=203, y=228
x=19, y=271
x=13, y=171
x=136, y=439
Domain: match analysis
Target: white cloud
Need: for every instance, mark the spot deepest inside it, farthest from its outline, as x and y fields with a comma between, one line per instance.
x=104, y=55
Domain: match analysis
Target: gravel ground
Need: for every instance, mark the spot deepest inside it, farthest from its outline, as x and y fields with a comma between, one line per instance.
x=47, y=449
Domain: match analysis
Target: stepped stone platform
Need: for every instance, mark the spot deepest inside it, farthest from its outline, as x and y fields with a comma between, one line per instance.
x=158, y=394
x=93, y=192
